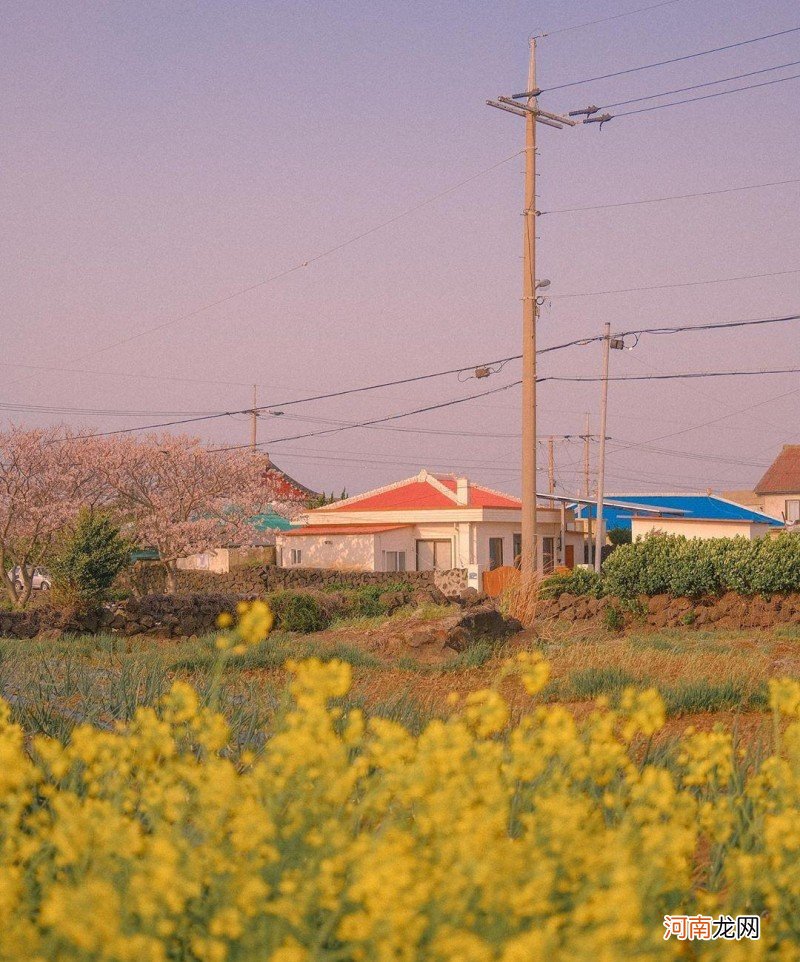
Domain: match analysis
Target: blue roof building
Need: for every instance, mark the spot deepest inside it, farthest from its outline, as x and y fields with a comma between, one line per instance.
x=706, y=507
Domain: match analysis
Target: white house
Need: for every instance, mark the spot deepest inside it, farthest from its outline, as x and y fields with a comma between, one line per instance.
x=427, y=522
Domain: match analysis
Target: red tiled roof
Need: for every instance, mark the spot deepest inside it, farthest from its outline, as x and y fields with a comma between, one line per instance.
x=416, y=494
x=480, y=497
x=783, y=475
x=322, y=529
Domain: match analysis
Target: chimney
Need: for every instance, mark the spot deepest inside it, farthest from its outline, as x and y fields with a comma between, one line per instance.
x=462, y=491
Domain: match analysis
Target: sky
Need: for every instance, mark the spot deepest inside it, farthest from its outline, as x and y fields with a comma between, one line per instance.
x=164, y=163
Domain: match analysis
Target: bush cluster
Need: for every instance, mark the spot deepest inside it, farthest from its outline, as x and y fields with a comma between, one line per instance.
x=680, y=566
x=307, y=611
x=579, y=581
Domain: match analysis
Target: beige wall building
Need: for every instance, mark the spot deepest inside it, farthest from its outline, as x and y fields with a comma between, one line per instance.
x=702, y=528
x=426, y=523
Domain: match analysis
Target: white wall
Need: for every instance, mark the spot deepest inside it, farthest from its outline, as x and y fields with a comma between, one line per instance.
x=400, y=540
x=704, y=529
x=352, y=552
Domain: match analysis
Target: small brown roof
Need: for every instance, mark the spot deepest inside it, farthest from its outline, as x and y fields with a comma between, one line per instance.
x=783, y=475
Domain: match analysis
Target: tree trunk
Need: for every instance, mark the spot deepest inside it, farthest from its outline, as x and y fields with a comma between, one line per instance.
x=172, y=580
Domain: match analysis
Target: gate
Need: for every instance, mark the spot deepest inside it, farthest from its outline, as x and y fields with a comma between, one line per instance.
x=496, y=581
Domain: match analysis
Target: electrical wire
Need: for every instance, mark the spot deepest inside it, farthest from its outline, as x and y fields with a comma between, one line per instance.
x=707, y=83
x=688, y=375
x=659, y=200
x=719, y=93
x=616, y=16
x=664, y=287
x=711, y=326
x=334, y=394
x=364, y=424
x=422, y=377
x=663, y=63
x=299, y=266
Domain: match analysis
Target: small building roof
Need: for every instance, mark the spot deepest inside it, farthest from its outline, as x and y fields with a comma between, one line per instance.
x=693, y=507
x=783, y=475
x=270, y=521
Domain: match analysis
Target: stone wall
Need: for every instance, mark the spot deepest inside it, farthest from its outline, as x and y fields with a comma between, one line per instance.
x=165, y=616
x=450, y=583
x=145, y=578
x=730, y=610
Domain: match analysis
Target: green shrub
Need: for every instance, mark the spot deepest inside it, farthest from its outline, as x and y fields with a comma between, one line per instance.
x=676, y=565
x=87, y=558
x=579, y=581
x=299, y=611
x=613, y=618
x=619, y=536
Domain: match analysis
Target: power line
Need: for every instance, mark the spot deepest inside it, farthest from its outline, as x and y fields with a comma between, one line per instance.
x=707, y=83
x=719, y=93
x=663, y=287
x=301, y=264
x=674, y=377
x=711, y=326
x=364, y=424
x=663, y=63
x=659, y=200
x=498, y=364
x=616, y=16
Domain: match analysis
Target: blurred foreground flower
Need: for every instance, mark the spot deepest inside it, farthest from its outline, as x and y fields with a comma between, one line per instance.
x=254, y=625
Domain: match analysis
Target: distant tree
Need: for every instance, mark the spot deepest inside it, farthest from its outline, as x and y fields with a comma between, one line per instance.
x=618, y=536
x=46, y=477
x=322, y=499
x=181, y=497
x=87, y=557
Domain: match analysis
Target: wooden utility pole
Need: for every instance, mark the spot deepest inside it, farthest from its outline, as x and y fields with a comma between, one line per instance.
x=254, y=421
x=525, y=105
x=601, y=457
x=530, y=550
x=586, y=459
x=551, y=466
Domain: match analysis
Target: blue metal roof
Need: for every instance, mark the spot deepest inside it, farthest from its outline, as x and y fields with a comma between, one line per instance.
x=706, y=506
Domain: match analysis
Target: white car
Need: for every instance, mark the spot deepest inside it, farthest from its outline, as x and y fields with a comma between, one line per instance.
x=40, y=577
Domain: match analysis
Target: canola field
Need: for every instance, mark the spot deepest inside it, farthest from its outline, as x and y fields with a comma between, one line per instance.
x=483, y=837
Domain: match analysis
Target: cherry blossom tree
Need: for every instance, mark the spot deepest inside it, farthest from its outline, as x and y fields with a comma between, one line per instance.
x=46, y=477
x=181, y=497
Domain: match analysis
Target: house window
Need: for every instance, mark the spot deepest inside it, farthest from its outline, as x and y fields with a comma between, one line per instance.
x=296, y=556
x=517, y=549
x=495, y=553
x=434, y=555
x=548, y=555
x=793, y=510
x=394, y=561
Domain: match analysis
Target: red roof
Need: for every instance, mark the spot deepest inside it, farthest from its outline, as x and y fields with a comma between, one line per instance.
x=419, y=493
x=480, y=497
x=783, y=475
x=322, y=529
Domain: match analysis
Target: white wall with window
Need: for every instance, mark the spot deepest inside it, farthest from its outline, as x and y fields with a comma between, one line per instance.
x=792, y=509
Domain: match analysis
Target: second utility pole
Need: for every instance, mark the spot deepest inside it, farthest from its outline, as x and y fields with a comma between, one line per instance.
x=601, y=457
x=530, y=551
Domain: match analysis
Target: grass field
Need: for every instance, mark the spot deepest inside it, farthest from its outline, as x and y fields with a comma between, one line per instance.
x=704, y=677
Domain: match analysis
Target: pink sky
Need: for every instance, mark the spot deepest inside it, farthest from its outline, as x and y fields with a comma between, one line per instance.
x=159, y=157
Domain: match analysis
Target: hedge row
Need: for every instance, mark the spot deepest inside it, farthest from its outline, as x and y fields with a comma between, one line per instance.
x=690, y=567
